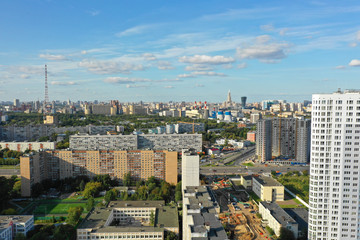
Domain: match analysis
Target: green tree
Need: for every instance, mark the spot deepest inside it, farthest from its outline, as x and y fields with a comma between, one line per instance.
x=178, y=196
x=286, y=234
x=9, y=211
x=92, y=189
x=127, y=179
x=74, y=214
x=152, y=218
x=64, y=231
x=111, y=195
x=171, y=235
x=90, y=203
x=20, y=236
x=82, y=185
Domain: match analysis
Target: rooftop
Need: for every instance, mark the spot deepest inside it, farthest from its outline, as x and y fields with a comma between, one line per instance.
x=267, y=181
x=6, y=219
x=278, y=213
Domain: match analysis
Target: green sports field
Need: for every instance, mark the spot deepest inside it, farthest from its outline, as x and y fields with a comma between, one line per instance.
x=56, y=208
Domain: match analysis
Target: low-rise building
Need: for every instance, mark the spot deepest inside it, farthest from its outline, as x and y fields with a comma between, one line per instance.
x=130, y=220
x=267, y=189
x=200, y=215
x=246, y=181
x=10, y=225
x=276, y=218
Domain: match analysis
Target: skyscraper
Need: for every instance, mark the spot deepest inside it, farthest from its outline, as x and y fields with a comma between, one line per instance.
x=334, y=171
x=228, y=100
x=243, y=102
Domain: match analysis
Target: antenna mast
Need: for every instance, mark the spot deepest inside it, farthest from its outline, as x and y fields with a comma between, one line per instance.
x=46, y=87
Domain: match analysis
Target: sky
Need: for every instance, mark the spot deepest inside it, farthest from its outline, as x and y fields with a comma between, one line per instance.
x=178, y=50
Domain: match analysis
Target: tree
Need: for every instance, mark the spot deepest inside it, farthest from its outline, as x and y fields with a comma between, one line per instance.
x=152, y=218
x=92, y=189
x=74, y=214
x=20, y=236
x=286, y=234
x=82, y=185
x=127, y=179
x=170, y=236
x=111, y=195
x=9, y=211
x=90, y=203
x=64, y=231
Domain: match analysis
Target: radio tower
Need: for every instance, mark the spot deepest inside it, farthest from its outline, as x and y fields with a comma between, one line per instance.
x=46, y=87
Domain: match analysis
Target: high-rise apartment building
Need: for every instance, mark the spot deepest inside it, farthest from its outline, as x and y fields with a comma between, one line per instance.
x=334, y=171
x=55, y=165
x=190, y=169
x=285, y=137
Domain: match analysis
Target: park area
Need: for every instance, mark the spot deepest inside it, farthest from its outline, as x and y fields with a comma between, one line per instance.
x=56, y=207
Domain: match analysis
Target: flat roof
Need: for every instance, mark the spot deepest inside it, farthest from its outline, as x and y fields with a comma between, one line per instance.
x=278, y=213
x=6, y=219
x=267, y=181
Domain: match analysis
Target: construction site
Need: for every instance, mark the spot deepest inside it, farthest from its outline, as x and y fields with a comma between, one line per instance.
x=238, y=214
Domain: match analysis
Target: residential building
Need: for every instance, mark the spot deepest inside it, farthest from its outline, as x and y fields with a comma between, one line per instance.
x=267, y=189
x=255, y=117
x=334, y=169
x=200, y=215
x=176, y=142
x=22, y=146
x=10, y=225
x=251, y=136
x=284, y=138
x=276, y=218
x=130, y=220
x=62, y=164
x=246, y=181
x=190, y=169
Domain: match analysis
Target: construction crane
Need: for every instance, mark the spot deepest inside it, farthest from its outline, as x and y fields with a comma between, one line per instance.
x=193, y=124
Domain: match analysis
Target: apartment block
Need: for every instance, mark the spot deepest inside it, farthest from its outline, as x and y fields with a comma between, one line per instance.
x=288, y=138
x=175, y=142
x=334, y=169
x=268, y=189
x=10, y=225
x=190, y=169
x=130, y=220
x=22, y=146
x=63, y=164
x=200, y=215
x=276, y=218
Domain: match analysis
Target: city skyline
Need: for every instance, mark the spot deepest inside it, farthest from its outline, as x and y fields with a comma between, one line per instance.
x=153, y=51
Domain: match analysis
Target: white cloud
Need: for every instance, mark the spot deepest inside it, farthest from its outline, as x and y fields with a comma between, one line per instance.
x=198, y=67
x=267, y=27
x=133, y=31
x=125, y=80
x=94, y=12
x=211, y=74
x=185, y=75
x=137, y=86
x=110, y=67
x=199, y=85
x=165, y=65
x=283, y=31
x=358, y=36
x=204, y=59
x=353, y=44
x=354, y=63
x=242, y=65
x=63, y=83
x=227, y=66
x=169, y=87
x=30, y=70
x=264, y=50
x=53, y=57
x=25, y=76
x=340, y=67
x=149, y=56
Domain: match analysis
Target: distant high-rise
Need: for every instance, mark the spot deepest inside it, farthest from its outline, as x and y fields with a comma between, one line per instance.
x=334, y=170
x=228, y=100
x=243, y=102
x=16, y=102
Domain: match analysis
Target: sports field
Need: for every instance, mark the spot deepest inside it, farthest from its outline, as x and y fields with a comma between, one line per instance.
x=56, y=208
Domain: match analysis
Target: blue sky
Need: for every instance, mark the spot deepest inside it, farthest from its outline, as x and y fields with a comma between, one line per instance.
x=178, y=50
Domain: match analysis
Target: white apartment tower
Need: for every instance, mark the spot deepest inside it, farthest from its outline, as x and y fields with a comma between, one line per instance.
x=190, y=169
x=334, y=171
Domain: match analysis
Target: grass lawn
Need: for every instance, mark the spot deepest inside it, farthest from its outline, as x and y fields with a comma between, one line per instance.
x=248, y=164
x=9, y=167
x=56, y=208
x=254, y=196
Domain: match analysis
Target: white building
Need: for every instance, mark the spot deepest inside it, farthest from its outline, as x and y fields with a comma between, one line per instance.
x=10, y=225
x=334, y=171
x=22, y=146
x=190, y=169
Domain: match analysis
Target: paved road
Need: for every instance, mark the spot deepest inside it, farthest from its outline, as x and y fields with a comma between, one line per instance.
x=9, y=172
x=242, y=170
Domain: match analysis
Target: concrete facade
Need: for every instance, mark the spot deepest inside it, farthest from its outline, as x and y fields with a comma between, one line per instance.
x=190, y=169
x=22, y=146
x=268, y=189
x=10, y=225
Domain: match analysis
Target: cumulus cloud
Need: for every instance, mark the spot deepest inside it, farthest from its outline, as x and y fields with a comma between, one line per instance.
x=110, y=67
x=53, y=57
x=137, y=86
x=211, y=74
x=358, y=36
x=354, y=63
x=165, y=65
x=340, y=67
x=204, y=59
x=198, y=67
x=149, y=56
x=94, y=12
x=264, y=50
x=242, y=65
x=29, y=70
x=185, y=75
x=125, y=80
x=63, y=83
x=25, y=76
x=353, y=44
x=267, y=27
x=199, y=85
x=169, y=87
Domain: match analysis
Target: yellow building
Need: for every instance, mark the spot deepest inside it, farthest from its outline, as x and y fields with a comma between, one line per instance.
x=246, y=181
x=63, y=164
x=268, y=189
x=50, y=119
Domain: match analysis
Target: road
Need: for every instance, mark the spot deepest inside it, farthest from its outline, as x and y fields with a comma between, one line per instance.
x=9, y=172
x=242, y=170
